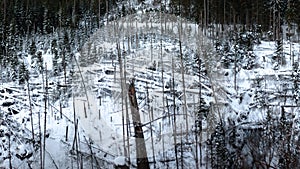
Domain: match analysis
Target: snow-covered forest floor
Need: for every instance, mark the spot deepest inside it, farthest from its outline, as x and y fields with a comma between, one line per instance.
x=83, y=118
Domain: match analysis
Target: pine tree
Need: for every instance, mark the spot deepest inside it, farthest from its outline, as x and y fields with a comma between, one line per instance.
x=55, y=63
x=285, y=127
x=259, y=93
x=40, y=61
x=218, y=150
x=54, y=46
x=201, y=115
x=279, y=57
x=14, y=64
x=32, y=48
x=55, y=59
x=66, y=43
x=23, y=73
x=296, y=78
x=66, y=51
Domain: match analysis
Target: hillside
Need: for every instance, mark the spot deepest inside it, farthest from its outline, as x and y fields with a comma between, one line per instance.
x=206, y=99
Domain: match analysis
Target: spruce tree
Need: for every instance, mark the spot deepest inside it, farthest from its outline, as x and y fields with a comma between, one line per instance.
x=32, y=48
x=219, y=152
x=40, y=61
x=55, y=63
x=23, y=73
x=55, y=58
x=14, y=65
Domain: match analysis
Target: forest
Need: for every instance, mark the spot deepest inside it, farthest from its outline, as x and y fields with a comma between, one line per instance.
x=149, y=84
x=43, y=16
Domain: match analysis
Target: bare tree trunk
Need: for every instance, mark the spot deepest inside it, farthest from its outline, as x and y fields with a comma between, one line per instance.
x=89, y=143
x=151, y=133
x=107, y=10
x=278, y=25
x=60, y=18
x=181, y=148
x=141, y=152
x=67, y=130
x=74, y=14
x=127, y=113
x=79, y=154
x=75, y=140
x=4, y=11
x=197, y=152
x=205, y=16
x=290, y=35
x=162, y=66
x=235, y=72
x=84, y=110
x=1, y=68
x=183, y=80
x=161, y=128
x=168, y=110
x=274, y=24
x=151, y=42
x=99, y=13
x=45, y=117
x=198, y=143
x=40, y=134
x=83, y=83
x=9, y=150
x=60, y=109
x=150, y=112
x=122, y=95
x=174, y=116
x=224, y=15
x=40, y=140
x=31, y=113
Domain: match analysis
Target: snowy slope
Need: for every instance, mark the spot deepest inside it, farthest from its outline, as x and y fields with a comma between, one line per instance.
x=85, y=116
x=150, y=57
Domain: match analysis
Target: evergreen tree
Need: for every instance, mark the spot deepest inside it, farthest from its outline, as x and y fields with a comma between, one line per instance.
x=218, y=150
x=66, y=43
x=55, y=58
x=23, y=73
x=296, y=78
x=201, y=115
x=32, y=48
x=40, y=61
x=55, y=63
x=279, y=56
x=65, y=50
x=259, y=93
x=14, y=65
x=286, y=156
x=54, y=46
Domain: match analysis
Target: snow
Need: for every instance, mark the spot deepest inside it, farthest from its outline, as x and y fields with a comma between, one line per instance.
x=96, y=100
x=120, y=161
x=47, y=58
x=107, y=131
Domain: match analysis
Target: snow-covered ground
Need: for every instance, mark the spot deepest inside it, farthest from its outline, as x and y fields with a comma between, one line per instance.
x=150, y=54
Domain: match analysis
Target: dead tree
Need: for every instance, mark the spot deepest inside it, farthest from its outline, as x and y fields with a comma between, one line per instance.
x=31, y=112
x=45, y=117
x=141, y=151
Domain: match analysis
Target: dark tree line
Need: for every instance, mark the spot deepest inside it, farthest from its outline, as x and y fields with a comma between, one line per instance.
x=20, y=17
x=246, y=12
x=23, y=23
x=44, y=16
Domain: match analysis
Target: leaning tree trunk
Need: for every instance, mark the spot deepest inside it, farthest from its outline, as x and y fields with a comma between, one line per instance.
x=141, y=152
